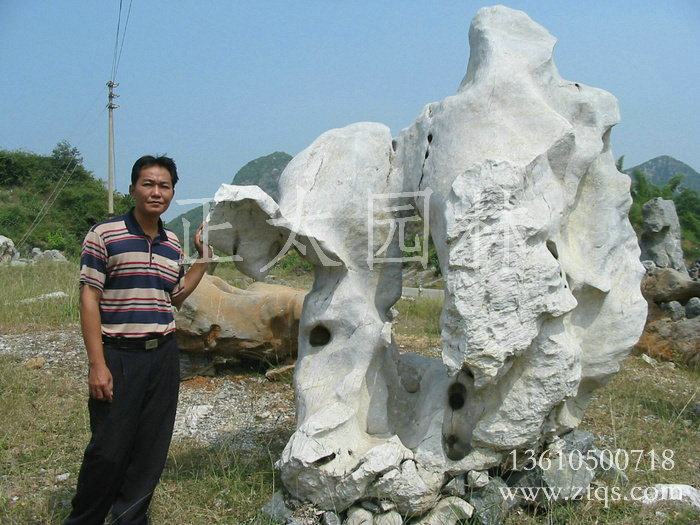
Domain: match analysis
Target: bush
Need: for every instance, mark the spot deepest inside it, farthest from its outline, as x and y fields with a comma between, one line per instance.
x=55, y=241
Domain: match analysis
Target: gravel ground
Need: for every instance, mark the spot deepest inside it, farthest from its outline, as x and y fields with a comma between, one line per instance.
x=235, y=406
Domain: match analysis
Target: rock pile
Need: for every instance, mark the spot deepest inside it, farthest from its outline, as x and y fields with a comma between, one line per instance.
x=10, y=255
x=672, y=331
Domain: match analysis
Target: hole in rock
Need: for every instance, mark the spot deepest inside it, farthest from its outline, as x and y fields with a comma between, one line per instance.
x=552, y=247
x=324, y=460
x=427, y=154
x=468, y=372
x=430, y=138
x=319, y=336
x=454, y=448
x=451, y=440
x=394, y=144
x=457, y=396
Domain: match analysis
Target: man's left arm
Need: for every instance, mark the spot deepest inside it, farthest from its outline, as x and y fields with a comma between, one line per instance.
x=194, y=275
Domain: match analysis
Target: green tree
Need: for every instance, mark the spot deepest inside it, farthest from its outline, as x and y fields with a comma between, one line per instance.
x=33, y=209
x=66, y=160
x=12, y=170
x=620, y=163
x=688, y=209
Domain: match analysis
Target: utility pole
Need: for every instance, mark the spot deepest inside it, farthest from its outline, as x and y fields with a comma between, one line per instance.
x=110, y=180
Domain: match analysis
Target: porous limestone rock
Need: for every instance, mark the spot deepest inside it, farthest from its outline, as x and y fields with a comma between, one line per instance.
x=261, y=322
x=344, y=443
x=661, y=238
x=515, y=177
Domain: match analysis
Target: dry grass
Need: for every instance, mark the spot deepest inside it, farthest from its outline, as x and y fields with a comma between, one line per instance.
x=419, y=318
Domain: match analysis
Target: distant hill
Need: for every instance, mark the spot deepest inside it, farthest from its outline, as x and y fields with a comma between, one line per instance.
x=263, y=172
x=662, y=169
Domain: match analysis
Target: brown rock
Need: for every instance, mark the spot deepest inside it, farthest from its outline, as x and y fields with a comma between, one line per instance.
x=668, y=285
x=261, y=322
x=656, y=340
x=667, y=340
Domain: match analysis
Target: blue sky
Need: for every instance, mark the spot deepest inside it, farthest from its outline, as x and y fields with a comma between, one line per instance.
x=216, y=84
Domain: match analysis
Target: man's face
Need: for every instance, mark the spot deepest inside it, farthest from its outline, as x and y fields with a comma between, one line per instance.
x=153, y=190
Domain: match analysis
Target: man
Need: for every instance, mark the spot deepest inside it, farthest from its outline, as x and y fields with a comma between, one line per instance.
x=131, y=273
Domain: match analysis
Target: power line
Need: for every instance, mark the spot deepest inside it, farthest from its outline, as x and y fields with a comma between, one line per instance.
x=85, y=115
x=116, y=44
x=50, y=200
x=116, y=58
x=126, y=24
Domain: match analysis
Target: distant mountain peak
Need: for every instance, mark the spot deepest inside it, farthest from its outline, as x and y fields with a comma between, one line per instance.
x=264, y=172
x=660, y=170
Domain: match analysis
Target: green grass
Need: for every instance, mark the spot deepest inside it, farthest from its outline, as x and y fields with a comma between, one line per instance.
x=21, y=283
x=419, y=317
x=215, y=485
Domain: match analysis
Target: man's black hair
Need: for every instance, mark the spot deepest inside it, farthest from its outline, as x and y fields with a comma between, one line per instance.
x=150, y=160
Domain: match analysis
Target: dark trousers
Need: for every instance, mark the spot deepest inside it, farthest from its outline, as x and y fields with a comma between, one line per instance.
x=130, y=437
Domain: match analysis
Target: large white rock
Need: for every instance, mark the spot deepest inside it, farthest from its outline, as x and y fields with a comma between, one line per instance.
x=518, y=184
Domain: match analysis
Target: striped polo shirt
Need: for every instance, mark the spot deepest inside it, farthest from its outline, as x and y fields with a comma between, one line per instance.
x=137, y=276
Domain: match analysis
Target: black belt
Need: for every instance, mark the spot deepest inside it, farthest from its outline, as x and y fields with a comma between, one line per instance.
x=142, y=344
